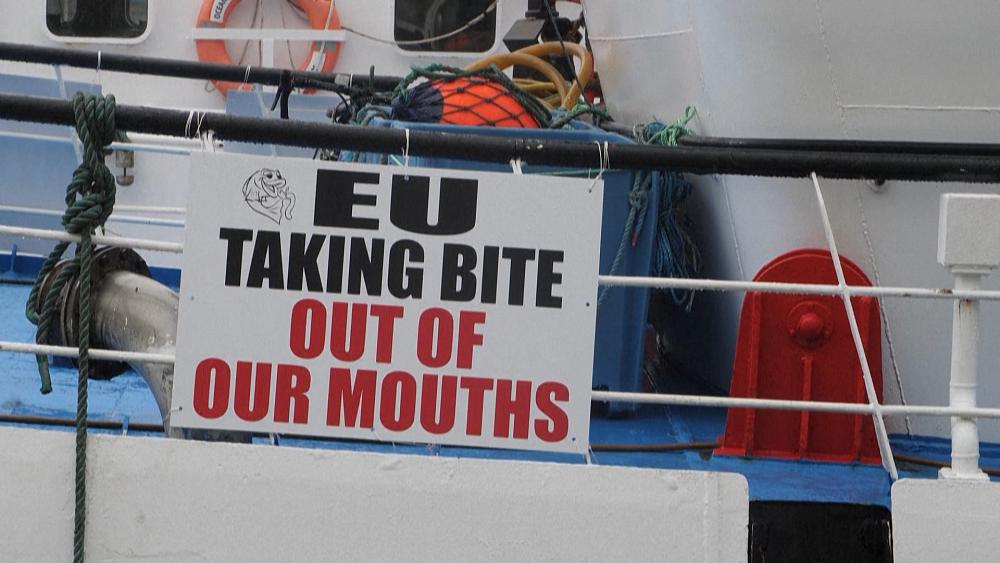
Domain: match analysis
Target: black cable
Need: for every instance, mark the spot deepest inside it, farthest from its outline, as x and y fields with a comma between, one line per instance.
x=920, y=460
x=839, y=145
x=911, y=165
x=667, y=447
x=56, y=421
x=562, y=45
x=283, y=92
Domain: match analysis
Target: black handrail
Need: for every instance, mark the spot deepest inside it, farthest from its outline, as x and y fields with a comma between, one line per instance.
x=912, y=165
x=336, y=82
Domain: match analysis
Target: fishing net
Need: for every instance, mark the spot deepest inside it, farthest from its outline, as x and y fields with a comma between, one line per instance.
x=485, y=97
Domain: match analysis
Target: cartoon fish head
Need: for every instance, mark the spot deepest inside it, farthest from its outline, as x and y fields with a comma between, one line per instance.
x=267, y=193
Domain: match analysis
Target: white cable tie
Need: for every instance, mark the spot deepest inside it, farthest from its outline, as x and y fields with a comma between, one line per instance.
x=187, y=126
x=406, y=156
x=603, y=161
x=208, y=141
x=98, y=67
x=201, y=117
x=246, y=75
x=515, y=165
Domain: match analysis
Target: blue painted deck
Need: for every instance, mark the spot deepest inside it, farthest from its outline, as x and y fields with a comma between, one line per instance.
x=126, y=398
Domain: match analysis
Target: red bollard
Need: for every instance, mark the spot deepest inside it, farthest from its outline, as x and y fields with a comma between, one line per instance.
x=799, y=347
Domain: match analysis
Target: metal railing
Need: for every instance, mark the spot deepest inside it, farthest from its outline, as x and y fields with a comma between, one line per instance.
x=873, y=408
x=698, y=160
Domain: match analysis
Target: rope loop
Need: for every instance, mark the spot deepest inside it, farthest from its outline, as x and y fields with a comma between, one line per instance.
x=656, y=133
x=90, y=198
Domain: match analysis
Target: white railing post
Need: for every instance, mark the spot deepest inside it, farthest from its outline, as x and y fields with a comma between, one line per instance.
x=881, y=434
x=969, y=246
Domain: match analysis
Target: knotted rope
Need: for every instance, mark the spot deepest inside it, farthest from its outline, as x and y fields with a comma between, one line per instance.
x=90, y=198
x=598, y=115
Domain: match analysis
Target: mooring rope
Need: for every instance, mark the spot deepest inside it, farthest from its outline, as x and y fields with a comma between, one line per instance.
x=90, y=198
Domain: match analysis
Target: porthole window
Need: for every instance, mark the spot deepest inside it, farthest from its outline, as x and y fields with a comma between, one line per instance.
x=97, y=19
x=456, y=26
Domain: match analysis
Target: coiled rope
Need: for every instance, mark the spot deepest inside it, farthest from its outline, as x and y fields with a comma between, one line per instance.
x=90, y=198
x=676, y=255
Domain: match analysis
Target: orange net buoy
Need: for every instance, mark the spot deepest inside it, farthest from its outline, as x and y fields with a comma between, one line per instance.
x=464, y=100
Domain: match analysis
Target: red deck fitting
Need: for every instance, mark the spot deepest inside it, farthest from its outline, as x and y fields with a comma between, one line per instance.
x=799, y=347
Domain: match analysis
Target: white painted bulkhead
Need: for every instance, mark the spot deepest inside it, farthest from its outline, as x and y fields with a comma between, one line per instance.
x=841, y=69
x=153, y=499
x=945, y=520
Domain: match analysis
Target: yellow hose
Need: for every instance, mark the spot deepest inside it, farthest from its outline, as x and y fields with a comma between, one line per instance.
x=552, y=101
x=578, y=51
x=531, y=82
x=531, y=57
x=504, y=60
x=545, y=88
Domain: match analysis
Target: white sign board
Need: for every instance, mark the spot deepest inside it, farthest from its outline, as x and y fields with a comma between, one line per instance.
x=372, y=302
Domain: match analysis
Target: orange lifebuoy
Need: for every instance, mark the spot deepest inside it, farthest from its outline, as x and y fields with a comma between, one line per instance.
x=215, y=13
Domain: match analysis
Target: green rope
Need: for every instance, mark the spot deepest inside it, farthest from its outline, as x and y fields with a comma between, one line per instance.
x=657, y=134
x=368, y=113
x=90, y=197
x=677, y=255
x=531, y=104
x=598, y=114
x=637, y=200
x=667, y=260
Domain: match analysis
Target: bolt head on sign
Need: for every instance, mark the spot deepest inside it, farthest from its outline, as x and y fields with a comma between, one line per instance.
x=356, y=301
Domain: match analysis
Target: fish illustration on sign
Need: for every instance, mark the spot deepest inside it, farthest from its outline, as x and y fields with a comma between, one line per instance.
x=268, y=193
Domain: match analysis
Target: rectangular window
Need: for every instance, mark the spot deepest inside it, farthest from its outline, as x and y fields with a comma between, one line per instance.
x=97, y=19
x=446, y=25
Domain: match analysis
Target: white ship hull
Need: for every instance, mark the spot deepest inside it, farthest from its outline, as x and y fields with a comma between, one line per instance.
x=824, y=70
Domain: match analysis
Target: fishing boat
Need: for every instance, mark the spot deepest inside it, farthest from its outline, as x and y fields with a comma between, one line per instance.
x=525, y=279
